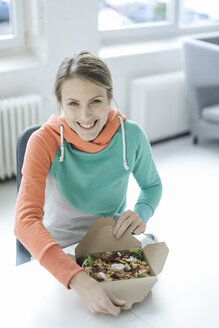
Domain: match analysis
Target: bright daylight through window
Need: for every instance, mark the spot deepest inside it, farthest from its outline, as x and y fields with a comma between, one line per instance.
x=6, y=24
x=199, y=13
x=119, y=14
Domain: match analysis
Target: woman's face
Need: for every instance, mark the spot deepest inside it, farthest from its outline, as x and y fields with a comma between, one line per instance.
x=85, y=106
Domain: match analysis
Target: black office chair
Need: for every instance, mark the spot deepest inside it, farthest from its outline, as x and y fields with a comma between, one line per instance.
x=22, y=254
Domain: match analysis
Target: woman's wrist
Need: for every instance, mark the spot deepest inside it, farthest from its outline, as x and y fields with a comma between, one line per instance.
x=77, y=279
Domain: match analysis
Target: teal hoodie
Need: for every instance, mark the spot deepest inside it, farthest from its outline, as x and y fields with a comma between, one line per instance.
x=96, y=183
x=65, y=189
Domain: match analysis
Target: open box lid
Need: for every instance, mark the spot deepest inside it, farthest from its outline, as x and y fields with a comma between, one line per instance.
x=156, y=255
x=100, y=238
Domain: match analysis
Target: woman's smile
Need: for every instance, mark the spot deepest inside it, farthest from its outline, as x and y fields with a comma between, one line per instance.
x=87, y=126
x=86, y=107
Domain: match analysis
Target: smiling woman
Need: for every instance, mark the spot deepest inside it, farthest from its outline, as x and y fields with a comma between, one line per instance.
x=86, y=107
x=84, y=91
x=76, y=170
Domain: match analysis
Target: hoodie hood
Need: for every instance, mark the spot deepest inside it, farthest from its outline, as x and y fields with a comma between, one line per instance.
x=115, y=119
x=101, y=142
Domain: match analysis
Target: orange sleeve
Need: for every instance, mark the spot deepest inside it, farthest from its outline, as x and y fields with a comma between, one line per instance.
x=29, y=229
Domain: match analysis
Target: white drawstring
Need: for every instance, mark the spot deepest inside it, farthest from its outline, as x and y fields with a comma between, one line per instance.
x=123, y=144
x=61, y=158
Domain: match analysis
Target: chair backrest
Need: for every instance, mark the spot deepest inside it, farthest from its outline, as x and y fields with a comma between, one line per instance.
x=201, y=64
x=22, y=254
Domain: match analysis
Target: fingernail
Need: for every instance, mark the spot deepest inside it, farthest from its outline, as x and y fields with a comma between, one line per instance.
x=121, y=301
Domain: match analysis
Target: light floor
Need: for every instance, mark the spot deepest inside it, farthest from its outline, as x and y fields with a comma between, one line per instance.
x=187, y=219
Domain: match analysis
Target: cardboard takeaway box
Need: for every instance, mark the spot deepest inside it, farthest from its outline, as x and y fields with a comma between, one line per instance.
x=100, y=239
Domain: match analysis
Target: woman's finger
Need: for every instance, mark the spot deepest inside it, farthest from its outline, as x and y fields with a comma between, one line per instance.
x=140, y=229
x=125, y=226
x=111, y=307
x=134, y=225
x=127, y=223
x=121, y=220
x=114, y=299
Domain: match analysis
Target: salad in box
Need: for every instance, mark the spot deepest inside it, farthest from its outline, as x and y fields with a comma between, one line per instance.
x=120, y=265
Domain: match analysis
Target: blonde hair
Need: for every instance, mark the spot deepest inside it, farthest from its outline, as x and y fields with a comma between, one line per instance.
x=86, y=66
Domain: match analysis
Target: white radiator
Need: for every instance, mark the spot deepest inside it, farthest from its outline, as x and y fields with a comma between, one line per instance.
x=16, y=114
x=158, y=104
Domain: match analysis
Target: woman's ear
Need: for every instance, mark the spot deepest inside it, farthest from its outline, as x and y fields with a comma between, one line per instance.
x=111, y=94
x=59, y=108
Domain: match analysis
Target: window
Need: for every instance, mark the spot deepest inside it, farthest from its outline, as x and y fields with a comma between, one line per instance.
x=11, y=23
x=131, y=19
x=116, y=14
x=199, y=13
x=6, y=26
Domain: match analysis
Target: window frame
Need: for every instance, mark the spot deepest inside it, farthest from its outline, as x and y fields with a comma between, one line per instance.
x=144, y=32
x=16, y=40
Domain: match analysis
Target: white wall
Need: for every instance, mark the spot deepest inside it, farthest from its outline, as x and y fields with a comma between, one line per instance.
x=68, y=27
x=125, y=68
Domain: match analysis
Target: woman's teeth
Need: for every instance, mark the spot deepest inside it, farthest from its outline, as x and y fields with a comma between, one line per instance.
x=87, y=126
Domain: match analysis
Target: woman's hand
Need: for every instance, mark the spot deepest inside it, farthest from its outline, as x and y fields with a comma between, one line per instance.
x=93, y=296
x=130, y=221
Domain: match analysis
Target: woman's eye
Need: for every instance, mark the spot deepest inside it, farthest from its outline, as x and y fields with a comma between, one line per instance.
x=73, y=103
x=95, y=101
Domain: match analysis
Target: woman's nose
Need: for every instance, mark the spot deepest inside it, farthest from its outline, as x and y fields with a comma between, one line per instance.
x=85, y=114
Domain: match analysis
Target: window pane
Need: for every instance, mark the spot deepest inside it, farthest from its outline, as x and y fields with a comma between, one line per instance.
x=196, y=12
x=6, y=26
x=116, y=14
